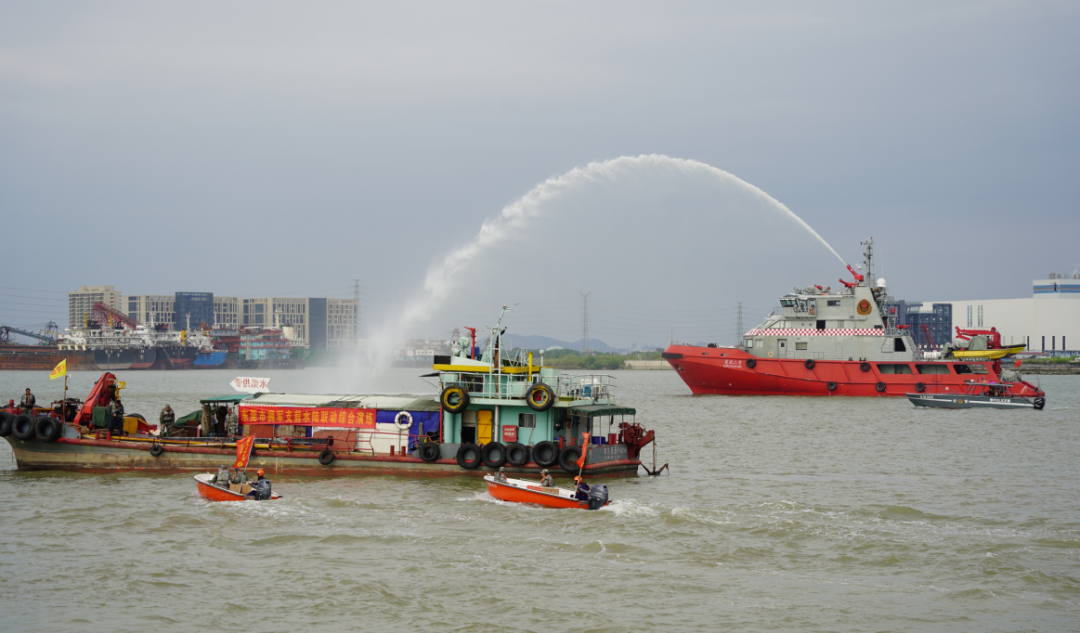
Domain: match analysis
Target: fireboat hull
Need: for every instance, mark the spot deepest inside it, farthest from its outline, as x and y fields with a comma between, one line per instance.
x=732, y=371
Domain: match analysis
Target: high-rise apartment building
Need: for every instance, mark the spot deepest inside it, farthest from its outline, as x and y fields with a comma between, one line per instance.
x=81, y=303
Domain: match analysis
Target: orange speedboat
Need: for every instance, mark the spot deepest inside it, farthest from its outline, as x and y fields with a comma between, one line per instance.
x=524, y=491
x=214, y=491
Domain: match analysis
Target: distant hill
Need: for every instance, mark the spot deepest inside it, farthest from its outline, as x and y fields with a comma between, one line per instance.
x=534, y=341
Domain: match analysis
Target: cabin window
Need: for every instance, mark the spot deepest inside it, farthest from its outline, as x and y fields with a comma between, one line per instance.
x=802, y=305
x=970, y=369
x=799, y=346
x=893, y=368
x=898, y=346
x=833, y=303
x=527, y=420
x=932, y=369
x=749, y=342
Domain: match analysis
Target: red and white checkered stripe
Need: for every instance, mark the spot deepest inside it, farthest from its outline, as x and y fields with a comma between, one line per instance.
x=814, y=332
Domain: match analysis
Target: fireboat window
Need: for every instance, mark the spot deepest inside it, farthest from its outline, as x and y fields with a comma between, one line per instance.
x=799, y=346
x=932, y=369
x=749, y=342
x=527, y=420
x=802, y=305
x=970, y=369
x=893, y=368
x=833, y=302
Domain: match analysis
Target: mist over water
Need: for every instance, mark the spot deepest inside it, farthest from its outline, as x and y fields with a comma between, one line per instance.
x=625, y=230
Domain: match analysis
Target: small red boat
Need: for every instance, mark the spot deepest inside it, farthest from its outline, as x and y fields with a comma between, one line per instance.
x=524, y=491
x=214, y=491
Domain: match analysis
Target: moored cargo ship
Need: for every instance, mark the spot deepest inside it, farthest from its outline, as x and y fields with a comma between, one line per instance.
x=844, y=343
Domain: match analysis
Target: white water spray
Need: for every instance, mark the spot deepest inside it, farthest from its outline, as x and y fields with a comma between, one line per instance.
x=444, y=276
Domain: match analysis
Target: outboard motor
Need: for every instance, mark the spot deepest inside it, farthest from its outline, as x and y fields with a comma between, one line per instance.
x=598, y=496
x=1039, y=403
x=262, y=490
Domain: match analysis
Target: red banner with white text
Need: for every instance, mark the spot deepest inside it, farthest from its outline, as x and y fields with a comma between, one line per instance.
x=309, y=416
x=243, y=451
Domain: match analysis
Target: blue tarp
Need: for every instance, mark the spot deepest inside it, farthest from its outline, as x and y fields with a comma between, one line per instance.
x=424, y=422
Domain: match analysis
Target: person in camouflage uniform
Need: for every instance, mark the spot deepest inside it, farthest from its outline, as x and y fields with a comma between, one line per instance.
x=232, y=424
x=166, y=421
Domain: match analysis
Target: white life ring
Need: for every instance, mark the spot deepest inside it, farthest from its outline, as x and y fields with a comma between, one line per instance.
x=403, y=420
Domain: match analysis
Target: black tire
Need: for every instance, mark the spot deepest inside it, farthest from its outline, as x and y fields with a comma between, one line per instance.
x=327, y=457
x=22, y=427
x=135, y=415
x=568, y=457
x=493, y=455
x=468, y=456
x=809, y=364
x=429, y=451
x=920, y=387
x=5, y=423
x=880, y=387
x=545, y=454
x=157, y=450
x=831, y=386
x=517, y=454
x=751, y=363
x=48, y=429
x=865, y=366
x=454, y=399
x=540, y=397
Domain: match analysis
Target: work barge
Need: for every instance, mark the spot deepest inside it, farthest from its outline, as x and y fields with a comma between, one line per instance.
x=493, y=410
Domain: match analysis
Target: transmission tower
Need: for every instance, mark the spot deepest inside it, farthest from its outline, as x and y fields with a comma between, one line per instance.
x=585, y=323
x=739, y=331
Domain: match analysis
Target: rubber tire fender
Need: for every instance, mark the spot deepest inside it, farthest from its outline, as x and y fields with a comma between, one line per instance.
x=809, y=364
x=545, y=392
x=466, y=452
x=408, y=420
x=865, y=366
x=451, y=392
x=429, y=451
x=22, y=427
x=751, y=363
x=831, y=386
x=545, y=454
x=5, y=423
x=517, y=454
x=920, y=387
x=157, y=450
x=327, y=457
x=493, y=454
x=48, y=429
x=880, y=387
x=568, y=457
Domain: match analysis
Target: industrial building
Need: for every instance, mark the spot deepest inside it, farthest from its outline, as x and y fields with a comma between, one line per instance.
x=1048, y=321
x=81, y=303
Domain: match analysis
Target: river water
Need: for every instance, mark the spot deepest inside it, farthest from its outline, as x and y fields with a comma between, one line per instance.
x=779, y=514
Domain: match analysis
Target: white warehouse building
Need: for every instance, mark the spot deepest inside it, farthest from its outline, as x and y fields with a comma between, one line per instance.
x=1048, y=321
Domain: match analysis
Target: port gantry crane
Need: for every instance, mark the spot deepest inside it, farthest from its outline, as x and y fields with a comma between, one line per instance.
x=47, y=337
x=108, y=314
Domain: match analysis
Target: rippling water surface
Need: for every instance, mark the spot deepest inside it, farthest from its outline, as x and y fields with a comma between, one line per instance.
x=803, y=514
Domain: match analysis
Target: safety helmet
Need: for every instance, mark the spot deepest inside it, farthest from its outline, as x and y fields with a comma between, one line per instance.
x=544, y=472
x=260, y=472
x=578, y=478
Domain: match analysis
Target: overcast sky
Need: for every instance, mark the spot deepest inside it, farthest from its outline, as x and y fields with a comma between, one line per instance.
x=280, y=148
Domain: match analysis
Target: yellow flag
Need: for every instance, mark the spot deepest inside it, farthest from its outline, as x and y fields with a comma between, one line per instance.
x=59, y=370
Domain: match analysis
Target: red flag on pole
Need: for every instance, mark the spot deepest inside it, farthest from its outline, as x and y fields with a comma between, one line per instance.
x=1017, y=363
x=243, y=451
x=584, y=449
